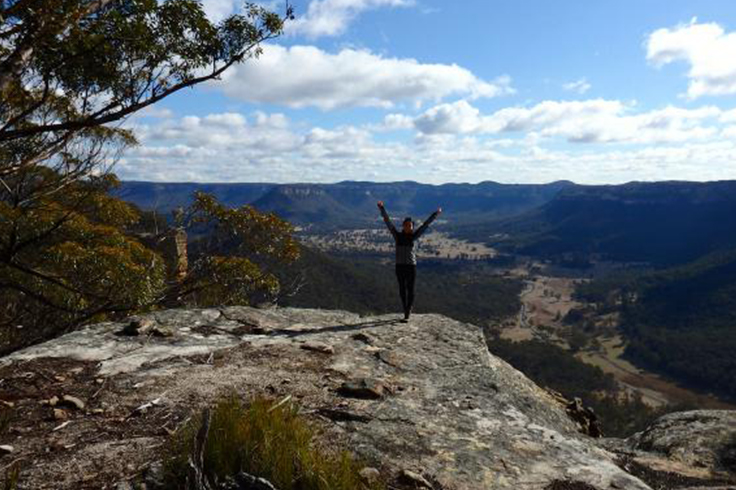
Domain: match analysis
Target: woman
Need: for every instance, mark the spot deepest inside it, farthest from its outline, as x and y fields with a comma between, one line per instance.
x=406, y=258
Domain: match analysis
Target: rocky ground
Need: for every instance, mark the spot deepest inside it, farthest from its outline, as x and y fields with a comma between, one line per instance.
x=97, y=407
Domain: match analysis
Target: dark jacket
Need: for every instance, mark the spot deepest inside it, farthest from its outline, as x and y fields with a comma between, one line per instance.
x=405, y=253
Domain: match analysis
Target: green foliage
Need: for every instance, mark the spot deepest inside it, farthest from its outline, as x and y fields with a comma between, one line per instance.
x=74, y=64
x=620, y=415
x=70, y=71
x=679, y=321
x=662, y=223
x=553, y=366
x=266, y=440
x=465, y=291
x=12, y=477
x=65, y=258
x=236, y=253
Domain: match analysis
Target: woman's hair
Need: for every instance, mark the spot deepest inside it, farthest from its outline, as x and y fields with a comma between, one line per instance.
x=408, y=219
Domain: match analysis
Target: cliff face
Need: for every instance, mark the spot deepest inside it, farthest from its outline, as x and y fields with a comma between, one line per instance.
x=425, y=397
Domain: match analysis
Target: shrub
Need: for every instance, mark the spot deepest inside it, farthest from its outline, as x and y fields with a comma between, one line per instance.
x=266, y=440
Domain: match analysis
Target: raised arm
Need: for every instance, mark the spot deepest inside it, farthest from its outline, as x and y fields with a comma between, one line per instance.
x=426, y=223
x=387, y=220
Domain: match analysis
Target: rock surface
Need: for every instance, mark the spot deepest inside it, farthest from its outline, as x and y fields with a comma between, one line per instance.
x=449, y=412
x=695, y=449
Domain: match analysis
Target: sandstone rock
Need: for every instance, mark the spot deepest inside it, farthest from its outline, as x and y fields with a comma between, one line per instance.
x=52, y=402
x=389, y=357
x=60, y=414
x=343, y=415
x=72, y=402
x=703, y=439
x=369, y=389
x=369, y=475
x=318, y=347
x=138, y=326
x=463, y=416
x=363, y=337
x=585, y=417
x=415, y=480
x=6, y=449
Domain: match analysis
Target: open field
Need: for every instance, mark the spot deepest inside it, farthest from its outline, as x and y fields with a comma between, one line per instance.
x=433, y=244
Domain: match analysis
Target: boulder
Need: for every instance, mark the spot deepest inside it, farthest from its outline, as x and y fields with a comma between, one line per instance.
x=703, y=440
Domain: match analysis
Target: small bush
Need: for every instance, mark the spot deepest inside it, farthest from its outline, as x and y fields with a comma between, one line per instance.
x=264, y=440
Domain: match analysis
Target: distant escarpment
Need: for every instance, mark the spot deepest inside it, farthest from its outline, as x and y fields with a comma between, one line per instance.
x=350, y=203
x=662, y=223
x=424, y=399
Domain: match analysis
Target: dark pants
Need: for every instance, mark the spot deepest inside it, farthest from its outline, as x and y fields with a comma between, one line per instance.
x=406, y=274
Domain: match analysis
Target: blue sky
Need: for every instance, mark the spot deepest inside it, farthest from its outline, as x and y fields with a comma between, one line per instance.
x=461, y=91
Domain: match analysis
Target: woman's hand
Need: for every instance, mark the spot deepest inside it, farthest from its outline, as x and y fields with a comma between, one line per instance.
x=380, y=204
x=439, y=210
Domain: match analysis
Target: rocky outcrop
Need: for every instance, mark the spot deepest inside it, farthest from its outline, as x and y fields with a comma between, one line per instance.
x=424, y=398
x=688, y=449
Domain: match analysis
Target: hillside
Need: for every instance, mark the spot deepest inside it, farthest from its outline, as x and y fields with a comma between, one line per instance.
x=440, y=405
x=367, y=285
x=352, y=203
x=660, y=223
x=679, y=321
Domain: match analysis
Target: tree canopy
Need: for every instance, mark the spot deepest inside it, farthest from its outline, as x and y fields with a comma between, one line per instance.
x=71, y=71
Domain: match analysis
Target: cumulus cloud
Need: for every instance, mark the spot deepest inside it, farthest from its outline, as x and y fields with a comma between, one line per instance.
x=304, y=76
x=457, y=117
x=707, y=48
x=588, y=121
x=232, y=147
x=332, y=17
x=578, y=86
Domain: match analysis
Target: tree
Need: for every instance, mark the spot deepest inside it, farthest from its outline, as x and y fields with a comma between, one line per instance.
x=65, y=259
x=234, y=260
x=70, y=72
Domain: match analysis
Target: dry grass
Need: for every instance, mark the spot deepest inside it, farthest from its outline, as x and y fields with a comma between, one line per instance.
x=265, y=440
x=12, y=475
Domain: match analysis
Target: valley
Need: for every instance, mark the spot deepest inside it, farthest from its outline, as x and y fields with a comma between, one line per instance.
x=546, y=302
x=434, y=244
x=549, y=310
x=619, y=294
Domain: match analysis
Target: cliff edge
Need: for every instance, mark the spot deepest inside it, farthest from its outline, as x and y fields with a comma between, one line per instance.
x=95, y=406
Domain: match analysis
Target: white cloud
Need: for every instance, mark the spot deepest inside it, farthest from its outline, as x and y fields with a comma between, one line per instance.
x=231, y=147
x=332, y=17
x=707, y=48
x=217, y=10
x=588, y=121
x=578, y=86
x=393, y=122
x=457, y=117
x=304, y=76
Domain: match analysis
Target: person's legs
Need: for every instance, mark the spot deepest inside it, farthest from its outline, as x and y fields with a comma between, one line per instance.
x=401, y=277
x=411, y=276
